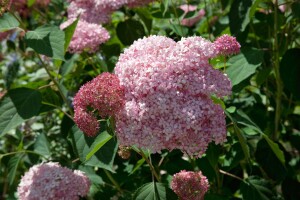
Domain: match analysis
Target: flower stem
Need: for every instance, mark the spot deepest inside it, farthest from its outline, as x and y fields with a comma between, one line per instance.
x=56, y=83
x=231, y=175
x=114, y=182
x=277, y=74
x=150, y=165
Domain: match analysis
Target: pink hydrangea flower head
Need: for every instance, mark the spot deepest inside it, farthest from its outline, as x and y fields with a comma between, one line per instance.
x=167, y=95
x=87, y=36
x=51, y=181
x=4, y=6
x=103, y=95
x=190, y=185
x=88, y=12
x=227, y=45
x=193, y=20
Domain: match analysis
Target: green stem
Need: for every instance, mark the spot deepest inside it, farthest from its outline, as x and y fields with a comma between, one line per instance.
x=277, y=74
x=24, y=151
x=114, y=182
x=56, y=83
x=18, y=19
x=150, y=165
x=231, y=175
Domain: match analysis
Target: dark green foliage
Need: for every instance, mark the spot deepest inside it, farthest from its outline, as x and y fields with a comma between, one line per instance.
x=39, y=79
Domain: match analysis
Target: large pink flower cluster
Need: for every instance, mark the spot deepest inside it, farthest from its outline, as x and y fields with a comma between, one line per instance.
x=51, y=181
x=190, y=185
x=94, y=12
x=167, y=90
x=103, y=95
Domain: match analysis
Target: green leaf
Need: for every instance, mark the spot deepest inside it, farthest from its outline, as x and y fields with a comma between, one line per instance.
x=137, y=165
x=154, y=191
x=48, y=40
x=69, y=65
x=69, y=31
x=8, y=22
x=129, y=31
x=256, y=188
x=101, y=140
x=240, y=135
x=242, y=141
x=269, y=161
x=9, y=117
x=244, y=64
x=218, y=101
x=212, y=154
x=13, y=164
x=27, y=101
x=166, y=6
x=103, y=158
x=290, y=71
x=30, y=2
x=239, y=15
x=275, y=148
x=42, y=145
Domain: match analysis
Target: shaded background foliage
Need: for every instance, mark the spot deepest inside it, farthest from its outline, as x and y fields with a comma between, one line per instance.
x=260, y=159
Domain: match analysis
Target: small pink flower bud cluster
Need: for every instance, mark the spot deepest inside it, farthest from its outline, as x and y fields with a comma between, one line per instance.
x=190, y=185
x=227, y=45
x=193, y=20
x=4, y=6
x=93, y=13
x=167, y=89
x=50, y=181
x=103, y=95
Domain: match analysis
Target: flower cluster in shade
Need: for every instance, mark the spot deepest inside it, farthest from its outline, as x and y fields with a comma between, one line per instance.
x=192, y=20
x=51, y=181
x=4, y=6
x=89, y=33
x=190, y=185
x=103, y=97
x=168, y=88
x=21, y=6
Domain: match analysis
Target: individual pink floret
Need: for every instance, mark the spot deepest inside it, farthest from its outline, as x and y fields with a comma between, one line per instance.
x=101, y=97
x=50, y=181
x=167, y=89
x=227, y=45
x=87, y=36
x=190, y=185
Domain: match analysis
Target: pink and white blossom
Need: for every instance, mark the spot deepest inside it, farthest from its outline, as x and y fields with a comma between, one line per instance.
x=51, y=181
x=190, y=185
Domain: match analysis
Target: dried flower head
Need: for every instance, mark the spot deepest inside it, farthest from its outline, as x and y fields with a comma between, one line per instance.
x=51, y=181
x=101, y=97
x=4, y=6
x=190, y=185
